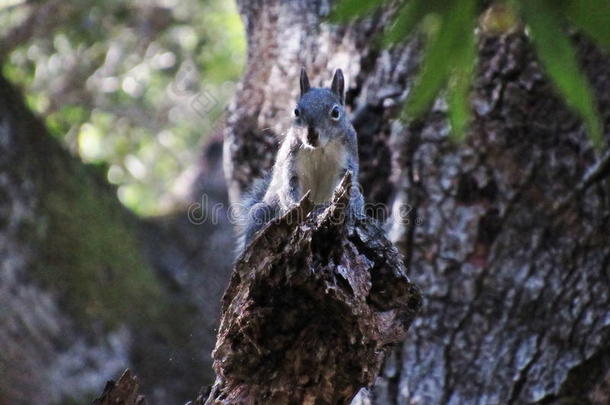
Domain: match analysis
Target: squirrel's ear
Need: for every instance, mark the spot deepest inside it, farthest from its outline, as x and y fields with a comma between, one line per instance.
x=338, y=84
x=304, y=82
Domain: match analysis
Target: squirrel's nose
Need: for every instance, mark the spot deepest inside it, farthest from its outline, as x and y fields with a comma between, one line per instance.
x=312, y=136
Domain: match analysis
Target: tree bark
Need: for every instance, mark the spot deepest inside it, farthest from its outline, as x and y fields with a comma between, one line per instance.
x=312, y=306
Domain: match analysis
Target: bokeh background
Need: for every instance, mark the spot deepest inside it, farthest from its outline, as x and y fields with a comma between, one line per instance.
x=134, y=86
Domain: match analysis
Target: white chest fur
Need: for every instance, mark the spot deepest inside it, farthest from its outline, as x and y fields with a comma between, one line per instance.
x=320, y=170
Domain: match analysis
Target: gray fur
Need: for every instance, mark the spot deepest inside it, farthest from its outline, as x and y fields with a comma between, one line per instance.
x=320, y=147
x=248, y=220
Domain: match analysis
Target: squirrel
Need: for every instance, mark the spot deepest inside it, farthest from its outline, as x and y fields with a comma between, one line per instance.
x=319, y=148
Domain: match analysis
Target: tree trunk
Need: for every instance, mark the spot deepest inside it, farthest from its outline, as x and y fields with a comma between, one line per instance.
x=507, y=235
x=86, y=289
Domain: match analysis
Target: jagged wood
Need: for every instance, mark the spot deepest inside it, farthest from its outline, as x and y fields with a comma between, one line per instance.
x=311, y=307
x=123, y=392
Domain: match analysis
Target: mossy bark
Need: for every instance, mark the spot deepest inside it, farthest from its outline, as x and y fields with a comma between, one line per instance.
x=81, y=296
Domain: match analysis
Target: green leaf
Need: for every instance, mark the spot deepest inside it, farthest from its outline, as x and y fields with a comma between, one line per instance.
x=559, y=60
x=444, y=49
x=406, y=20
x=459, y=90
x=349, y=9
x=592, y=17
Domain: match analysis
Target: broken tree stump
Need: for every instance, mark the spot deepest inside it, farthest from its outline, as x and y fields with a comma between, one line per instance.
x=312, y=305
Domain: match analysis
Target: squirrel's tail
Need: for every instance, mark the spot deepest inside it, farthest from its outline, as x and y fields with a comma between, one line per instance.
x=244, y=222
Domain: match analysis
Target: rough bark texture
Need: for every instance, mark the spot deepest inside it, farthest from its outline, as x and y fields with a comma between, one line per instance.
x=311, y=308
x=509, y=276
x=517, y=300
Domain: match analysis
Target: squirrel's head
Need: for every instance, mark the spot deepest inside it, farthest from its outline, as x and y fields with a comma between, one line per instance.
x=319, y=116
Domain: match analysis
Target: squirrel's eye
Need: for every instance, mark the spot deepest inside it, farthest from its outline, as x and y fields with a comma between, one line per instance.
x=297, y=112
x=335, y=113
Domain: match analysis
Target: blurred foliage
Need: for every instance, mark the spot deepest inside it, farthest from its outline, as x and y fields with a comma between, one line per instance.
x=449, y=26
x=135, y=86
